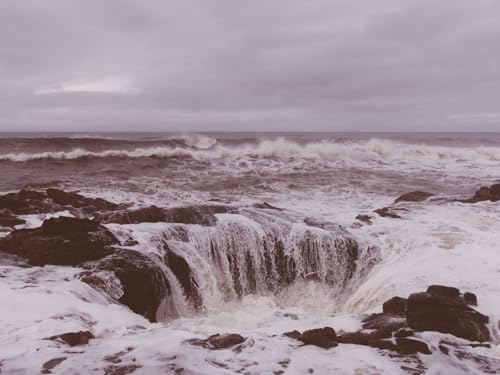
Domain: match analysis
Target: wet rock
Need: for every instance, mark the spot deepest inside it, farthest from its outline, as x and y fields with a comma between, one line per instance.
x=470, y=299
x=395, y=305
x=151, y=214
x=436, y=312
x=62, y=225
x=49, y=365
x=387, y=212
x=60, y=241
x=202, y=214
x=405, y=345
x=414, y=196
x=491, y=193
x=292, y=334
x=182, y=272
x=323, y=337
x=404, y=332
x=384, y=322
x=143, y=282
x=218, y=341
x=74, y=338
x=79, y=201
x=121, y=370
x=364, y=218
x=26, y=202
x=10, y=221
x=446, y=291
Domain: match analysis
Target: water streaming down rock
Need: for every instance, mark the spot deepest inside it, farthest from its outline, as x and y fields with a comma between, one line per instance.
x=261, y=252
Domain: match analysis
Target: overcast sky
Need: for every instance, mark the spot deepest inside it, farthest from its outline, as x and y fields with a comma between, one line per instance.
x=200, y=65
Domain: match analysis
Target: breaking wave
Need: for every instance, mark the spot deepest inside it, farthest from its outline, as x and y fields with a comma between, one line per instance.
x=206, y=148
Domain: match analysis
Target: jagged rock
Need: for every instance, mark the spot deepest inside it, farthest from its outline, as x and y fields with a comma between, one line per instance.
x=491, y=193
x=470, y=299
x=364, y=218
x=218, y=341
x=446, y=291
x=10, y=221
x=182, y=272
x=202, y=214
x=387, y=212
x=414, y=196
x=143, y=281
x=436, y=312
x=26, y=202
x=60, y=241
x=395, y=305
x=74, y=338
x=151, y=214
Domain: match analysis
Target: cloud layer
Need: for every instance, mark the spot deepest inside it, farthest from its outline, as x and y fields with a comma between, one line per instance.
x=197, y=65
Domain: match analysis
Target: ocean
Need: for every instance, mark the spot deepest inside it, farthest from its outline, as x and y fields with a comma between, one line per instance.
x=299, y=193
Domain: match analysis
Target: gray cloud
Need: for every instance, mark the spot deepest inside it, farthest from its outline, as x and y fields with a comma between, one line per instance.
x=89, y=65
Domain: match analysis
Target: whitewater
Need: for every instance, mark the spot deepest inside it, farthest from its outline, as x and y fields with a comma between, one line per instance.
x=301, y=260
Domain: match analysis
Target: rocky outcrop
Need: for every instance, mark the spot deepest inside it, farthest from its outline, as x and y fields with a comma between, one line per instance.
x=60, y=241
x=151, y=214
x=323, y=337
x=437, y=312
x=491, y=194
x=143, y=282
x=395, y=305
x=74, y=338
x=414, y=196
x=9, y=221
x=79, y=201
x=218, y=341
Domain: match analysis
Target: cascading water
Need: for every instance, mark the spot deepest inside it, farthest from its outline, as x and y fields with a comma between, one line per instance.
x=259, y=252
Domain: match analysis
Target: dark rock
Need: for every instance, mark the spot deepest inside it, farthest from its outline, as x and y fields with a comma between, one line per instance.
x=25, y=202
x=446, y=291
x=404, y=332
x=10, y=221
x=387, y=212
x=79, y=201
x=323, y=337
x=121, y=370
x=491, y=193
x=384, y=322
x=414, y=196
x=202, y=214
x=218, y=341
x=363, y=338
x=395, y=305
x=182, y=272
x=143, y=281
x=57, y=242
x=151, y=214
x=49, y=365
x=436, y=312
x=411, y=346
x=470, y=299
x=364, y=218
x=74, y=338
x=62, y=225
x=266, y=205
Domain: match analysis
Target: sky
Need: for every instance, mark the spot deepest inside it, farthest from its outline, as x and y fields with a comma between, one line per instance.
x=260, y=65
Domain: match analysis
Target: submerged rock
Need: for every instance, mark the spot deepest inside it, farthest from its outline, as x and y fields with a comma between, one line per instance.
x=74, y=338
x=414, y=196
x=60, y=241
x=151, y=214
x=51, y=364
x=387, y=212
x=364, y=218
x=218, y=341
